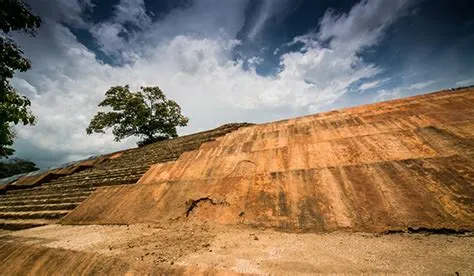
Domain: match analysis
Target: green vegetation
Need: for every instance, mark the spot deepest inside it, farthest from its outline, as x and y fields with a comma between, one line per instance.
x=14, y=109
x=147, y=114
x=16, y=166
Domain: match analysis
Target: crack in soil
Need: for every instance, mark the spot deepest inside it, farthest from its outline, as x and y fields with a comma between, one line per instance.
x=194, y=203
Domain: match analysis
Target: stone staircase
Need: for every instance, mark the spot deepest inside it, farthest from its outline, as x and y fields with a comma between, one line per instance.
x=22, y=209
x=46, y=204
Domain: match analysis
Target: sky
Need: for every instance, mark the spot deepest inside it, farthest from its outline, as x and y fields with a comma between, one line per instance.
x=231, y=61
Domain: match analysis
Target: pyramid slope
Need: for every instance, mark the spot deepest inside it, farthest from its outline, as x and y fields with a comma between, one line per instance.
x=43, y=197
x=388, y=166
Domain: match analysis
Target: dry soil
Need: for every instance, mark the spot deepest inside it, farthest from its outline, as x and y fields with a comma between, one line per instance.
x=261, y=251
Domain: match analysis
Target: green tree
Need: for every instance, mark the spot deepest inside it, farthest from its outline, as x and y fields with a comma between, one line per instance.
x=14, y=109
x=16, y=166
x=147, y=114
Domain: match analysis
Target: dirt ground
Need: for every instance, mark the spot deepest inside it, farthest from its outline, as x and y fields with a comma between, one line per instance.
x=261, y=251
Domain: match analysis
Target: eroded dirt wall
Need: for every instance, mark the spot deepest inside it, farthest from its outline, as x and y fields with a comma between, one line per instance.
x=381, y=167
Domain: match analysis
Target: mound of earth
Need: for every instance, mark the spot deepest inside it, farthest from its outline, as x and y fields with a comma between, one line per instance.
x=392, y=166
x=381, y=188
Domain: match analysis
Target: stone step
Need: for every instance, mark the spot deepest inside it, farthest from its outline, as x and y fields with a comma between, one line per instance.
x=52, y=200
x=20, y=224
x=98, y=176
x=109, y=182
x=108, y=171
x=112, y=179
x=57, y=214
x=41, y=191
x=76, y=178
x=39, y=207
x=4, y=232
x=44, y=196
x=61, y=187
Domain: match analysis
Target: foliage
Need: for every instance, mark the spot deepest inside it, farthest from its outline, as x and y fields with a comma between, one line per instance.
x=16, y=166
x=149, y=140
x=16, y=16
x=147, y=114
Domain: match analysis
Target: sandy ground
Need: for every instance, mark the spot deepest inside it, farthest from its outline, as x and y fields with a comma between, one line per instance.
x=263, y=251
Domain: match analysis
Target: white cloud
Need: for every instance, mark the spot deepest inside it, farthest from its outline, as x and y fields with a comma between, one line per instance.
x=403, y=91
x=465, y=82
x=363, y=26
x=253, y=61
x=26, y=88
x=189, y=54
x=68, y=11
x=261, y=19
x=421, y=85
x=108, y=37
x=132, y=11
x=112, y=35
x=370, y=85
x=269, y=9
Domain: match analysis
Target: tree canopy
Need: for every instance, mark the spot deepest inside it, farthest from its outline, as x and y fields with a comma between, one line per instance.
x=147, y=114
x=14, y=109
x=16, y=166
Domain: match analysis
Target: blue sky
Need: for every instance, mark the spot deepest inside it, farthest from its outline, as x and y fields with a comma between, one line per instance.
x=232, y=60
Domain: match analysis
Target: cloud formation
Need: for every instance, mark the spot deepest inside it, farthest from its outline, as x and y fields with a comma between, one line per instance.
x=363, y=26
x=370, y=85
x=403, y=91
x=189, y=54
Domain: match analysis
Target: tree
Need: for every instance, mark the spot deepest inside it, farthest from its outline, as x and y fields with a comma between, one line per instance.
x=147, y=114
x=15, y=16
x=16, y=166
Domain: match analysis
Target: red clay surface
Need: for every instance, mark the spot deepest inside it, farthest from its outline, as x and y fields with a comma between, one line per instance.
x=389, y=166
